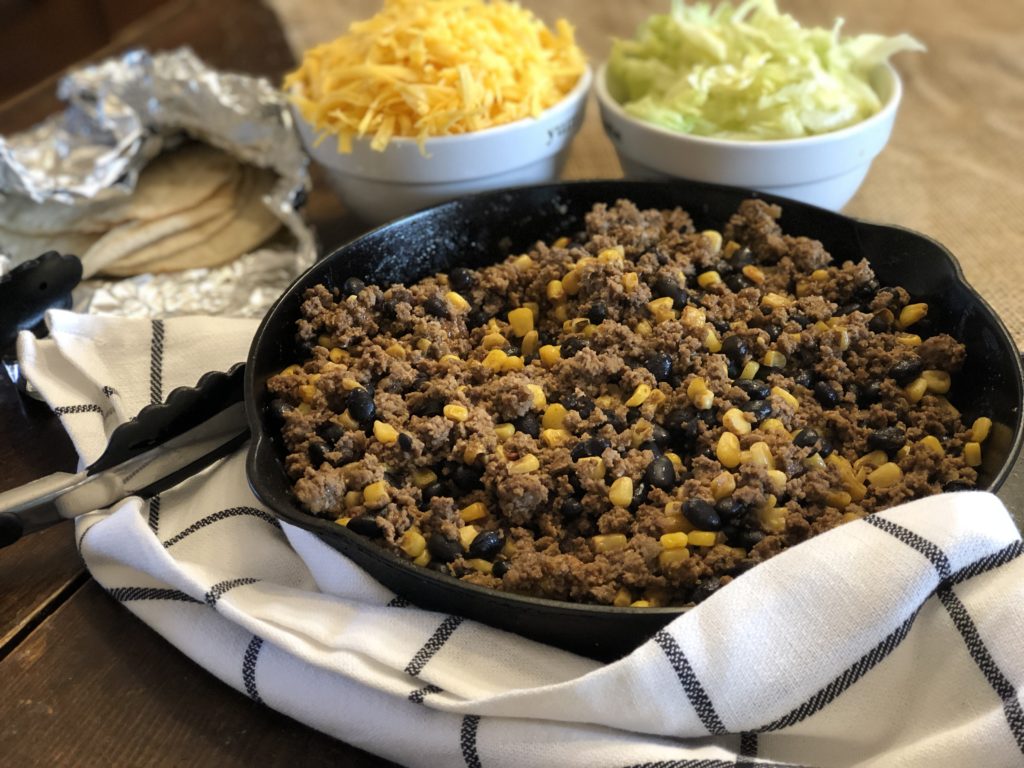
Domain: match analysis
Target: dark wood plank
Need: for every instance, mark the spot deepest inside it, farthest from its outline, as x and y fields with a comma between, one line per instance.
x=94, y=686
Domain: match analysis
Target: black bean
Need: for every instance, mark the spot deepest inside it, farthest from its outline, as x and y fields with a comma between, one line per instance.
x=436, y=306
x=774, y=331
x=742, y=567
x=429, y=406
x=352, y=286
x=869, y=393
x=848, y=309
x=735, y=348
x=464, y=476
x=331, y=432
x=597, y=313
x=702, y=515
x=827, y=394
x=804, y=379
x=405, y=442
x=278, y=409
x=665, y=286
x=660, y=436
x=615, y=421
x=761, y=409
x=737, y=282
x=633, y=414
x=572, y=346
x=389, y=309
x=528, y=424
x=741, y=258
x=441, y=548
x=579, y=451
x=582, y=404
x=880, y=322
x=571, y=508
x=361, y=406
x=365, y=525
x=681, y=424
x=486, y=544
x=806, y=438
x=660, y=366
x=432, y=490
x=729, y=508
x=462, y=279
x=500, y=569
x=709, y=416
x=802, y=320
x=756, y=390
x=317, y=452
x=476, y=317
x=639, y=495
x=906, y=371
x=596, y=446
x=825, y=449
x=748, y=538
x=705, y=588
x=889, y=439
x=954, y=486
x=650, y=445
x=660, y=473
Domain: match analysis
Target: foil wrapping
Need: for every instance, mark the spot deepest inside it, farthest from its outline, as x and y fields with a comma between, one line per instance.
x=120, y=114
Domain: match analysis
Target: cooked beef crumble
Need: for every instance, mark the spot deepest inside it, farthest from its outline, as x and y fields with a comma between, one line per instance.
x=633, y=416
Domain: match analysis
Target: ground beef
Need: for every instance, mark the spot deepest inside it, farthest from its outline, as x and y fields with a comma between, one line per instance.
x=634, y=415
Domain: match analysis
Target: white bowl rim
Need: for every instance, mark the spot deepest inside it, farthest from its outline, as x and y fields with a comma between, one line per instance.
x=882, y=115
x=581, y=88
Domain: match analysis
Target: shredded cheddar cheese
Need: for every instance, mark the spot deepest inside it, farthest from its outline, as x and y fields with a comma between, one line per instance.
x=422, y=68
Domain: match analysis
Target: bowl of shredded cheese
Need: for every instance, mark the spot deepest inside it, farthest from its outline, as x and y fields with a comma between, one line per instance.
x=746, y=96
x=432, y=99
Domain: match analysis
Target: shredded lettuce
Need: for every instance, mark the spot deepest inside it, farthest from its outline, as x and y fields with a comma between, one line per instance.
x=747, y=72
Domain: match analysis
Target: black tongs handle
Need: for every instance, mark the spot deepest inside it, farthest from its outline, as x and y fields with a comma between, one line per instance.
x=28, y=290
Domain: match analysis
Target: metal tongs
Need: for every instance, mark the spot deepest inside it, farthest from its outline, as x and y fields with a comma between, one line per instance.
x=162, y=446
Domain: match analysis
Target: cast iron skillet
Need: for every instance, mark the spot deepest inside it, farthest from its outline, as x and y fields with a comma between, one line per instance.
x=482, y=229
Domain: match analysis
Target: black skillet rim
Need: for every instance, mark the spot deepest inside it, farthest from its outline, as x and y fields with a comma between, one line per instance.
x=261, y=450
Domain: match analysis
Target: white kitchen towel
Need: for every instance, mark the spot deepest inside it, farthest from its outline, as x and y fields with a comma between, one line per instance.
x=890, y=641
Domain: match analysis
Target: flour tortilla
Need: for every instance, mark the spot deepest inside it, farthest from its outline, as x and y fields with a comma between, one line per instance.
x=214, y=242
x=21, y=247
x=170, y=183
x=127, y=239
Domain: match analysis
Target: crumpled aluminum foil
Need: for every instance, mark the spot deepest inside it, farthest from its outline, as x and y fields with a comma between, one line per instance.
x=121, y=113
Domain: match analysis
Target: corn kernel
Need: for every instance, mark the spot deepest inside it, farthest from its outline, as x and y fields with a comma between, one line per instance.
x=347, y=421
x=714, y=237
x=611, y=255
x=456, y=301
x=886, y=475
x=750, y=370
x=466, y=535
x=916, y=389
x=493, y=341
x=630, y=280
x=423, y=560
x=702, y=538
x=673, y=540
x=291, y=370
x=873, y=460
x=722, y=485
x=777, y=479
x=554, y=416
x=513, y=363
x=343, y=520
x=553, y=438
x=622, y=598
x=643, y=328
x=786, y=397
x=421, y=478
x=353, y=499
x=456, y=412
x=980, y=429
x=375, y=493
x=838, y=499
x=555, y=291
x=908, y=339
x=549, y=355
x=504, y=431
x=910, y=314
x=591, y=466
x=693, y=317
x=307, y=392
x=695, y=387
x=323, y=340
x=677, y=463
x=774, y=359
x=449, y=359
x=814, y=461
x=521, y=320
x=931, y=443
x=775, y=300
x=475, y=511
x=772, y=519
x=495, y=360
x=523, y=262
x=661, y=309
x=972, y=454
x=423, y=345
x=711, y=341
x=639, y=396
x=734, y=421
x=530, y=343
x=819, y=275
x=413, y=543
x=523, y=465
x=728, y=450
x=640, y=604
x=938, y=381
x=669, y=557
x=761, y=455
x=571, y=282
x=481, y=565
x=709, y=278
x=385, y=433
x=609, y=542
x=774, y=425
x=753, y=274
x=621, y=492
x=336, y=355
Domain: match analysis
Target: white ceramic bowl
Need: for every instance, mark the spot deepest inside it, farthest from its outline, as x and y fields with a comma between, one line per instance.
x=823, y=170
x=380, y=186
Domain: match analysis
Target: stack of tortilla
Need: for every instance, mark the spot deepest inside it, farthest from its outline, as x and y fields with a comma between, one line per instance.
x=193, y=207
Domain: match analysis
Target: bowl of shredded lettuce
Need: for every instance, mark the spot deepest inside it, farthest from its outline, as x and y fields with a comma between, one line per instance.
x=746, y=96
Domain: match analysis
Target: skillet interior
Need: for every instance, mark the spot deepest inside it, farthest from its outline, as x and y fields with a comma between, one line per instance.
x=483, y=229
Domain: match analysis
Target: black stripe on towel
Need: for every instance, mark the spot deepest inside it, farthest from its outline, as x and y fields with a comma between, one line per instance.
x=935, y=555
x=156, y=362
x=863, y=665
x=252, y=654
x=705, y=763
x=109, y=391
x=217, y=591
x=695, y=692
x=223, y=514
x=397, y=602
x=748, y=748
x=467, y=740
x=983, y=658
x=129, y=594
x=417, y=696
x=154, y=514
x=433, y=645
x=66, y=410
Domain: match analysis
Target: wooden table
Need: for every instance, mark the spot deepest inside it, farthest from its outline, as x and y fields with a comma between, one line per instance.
x=86, y=683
